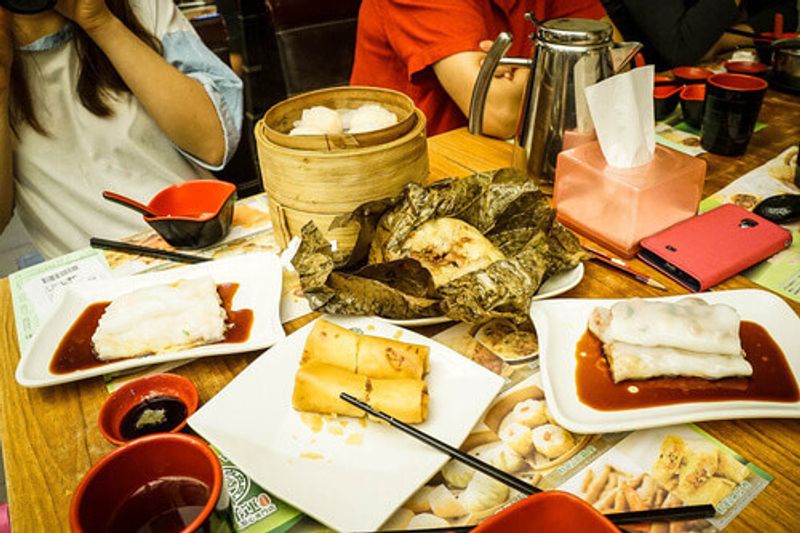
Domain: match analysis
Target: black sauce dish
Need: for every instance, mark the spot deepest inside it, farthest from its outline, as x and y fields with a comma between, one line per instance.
x=665, y=100
x=191, y=214
x=693, y=99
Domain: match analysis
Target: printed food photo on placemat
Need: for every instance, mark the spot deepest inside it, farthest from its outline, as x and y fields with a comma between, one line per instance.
x=518, y=436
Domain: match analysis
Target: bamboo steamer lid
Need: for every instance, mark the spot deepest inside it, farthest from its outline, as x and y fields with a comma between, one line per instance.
x=322, y=183
x=280, y=118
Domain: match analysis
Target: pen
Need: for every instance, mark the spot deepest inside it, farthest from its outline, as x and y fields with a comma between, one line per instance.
x=622, y=266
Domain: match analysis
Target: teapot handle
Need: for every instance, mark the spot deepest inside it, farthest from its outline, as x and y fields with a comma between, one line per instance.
x=631, y=49
x=477, y=103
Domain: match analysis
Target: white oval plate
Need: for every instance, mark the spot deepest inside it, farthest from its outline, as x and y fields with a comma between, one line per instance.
x=555, y=285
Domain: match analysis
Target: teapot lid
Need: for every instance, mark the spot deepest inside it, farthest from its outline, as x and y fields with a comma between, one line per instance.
x=575, y=31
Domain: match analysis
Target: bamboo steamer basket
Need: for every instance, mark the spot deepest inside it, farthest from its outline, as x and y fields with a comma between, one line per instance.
x=280, y=119
x=320, y=184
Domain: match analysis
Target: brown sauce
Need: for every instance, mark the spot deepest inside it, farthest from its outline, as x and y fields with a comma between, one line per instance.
x=75, y=351
x=772, y=378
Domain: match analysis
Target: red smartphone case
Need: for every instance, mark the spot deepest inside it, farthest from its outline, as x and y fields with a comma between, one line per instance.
x=709, y=248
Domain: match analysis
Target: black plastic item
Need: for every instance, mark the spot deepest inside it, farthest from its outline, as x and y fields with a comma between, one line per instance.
x=780, y=209
x=27, y=7
x=665, y=99
x=731, y=112
x=692, y=104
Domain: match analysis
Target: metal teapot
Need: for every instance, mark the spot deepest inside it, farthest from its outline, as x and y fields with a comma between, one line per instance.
x=569, y=55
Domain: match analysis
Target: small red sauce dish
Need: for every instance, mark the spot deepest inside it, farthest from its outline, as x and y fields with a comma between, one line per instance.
x=167, y=483
x=665, y=100
x=663, y=80
x=688, y=75
x=191, y=214
x=553, y=511
x=750, y=68
x=160, y=403
x=693, y=104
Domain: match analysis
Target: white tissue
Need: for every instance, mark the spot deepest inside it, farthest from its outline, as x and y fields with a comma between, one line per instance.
x=622, y=112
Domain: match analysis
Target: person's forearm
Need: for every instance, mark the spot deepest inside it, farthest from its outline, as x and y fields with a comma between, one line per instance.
x=458, y=74
x=6, y=175
x=502, y=105
x=179, y=104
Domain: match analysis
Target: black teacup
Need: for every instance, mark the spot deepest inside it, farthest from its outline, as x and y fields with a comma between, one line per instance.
x=731, y=112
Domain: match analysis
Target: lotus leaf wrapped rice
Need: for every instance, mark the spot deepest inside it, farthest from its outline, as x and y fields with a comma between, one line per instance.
x=474, y=248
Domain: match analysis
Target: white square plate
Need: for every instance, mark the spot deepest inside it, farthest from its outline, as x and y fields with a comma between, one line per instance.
x=259, y=279
x=560, y=324
x=354, y=479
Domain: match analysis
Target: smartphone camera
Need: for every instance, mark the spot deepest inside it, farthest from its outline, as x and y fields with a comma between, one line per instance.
x=27, y=7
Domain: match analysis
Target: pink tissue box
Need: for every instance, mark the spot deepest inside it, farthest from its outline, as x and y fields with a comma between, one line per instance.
x=618, y=207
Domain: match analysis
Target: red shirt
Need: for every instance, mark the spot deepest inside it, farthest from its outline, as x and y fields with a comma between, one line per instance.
x=399, y=40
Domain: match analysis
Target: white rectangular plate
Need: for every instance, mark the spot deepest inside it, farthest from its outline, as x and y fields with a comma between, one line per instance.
x=560, y=324
x=259, y=279
x=344, y=484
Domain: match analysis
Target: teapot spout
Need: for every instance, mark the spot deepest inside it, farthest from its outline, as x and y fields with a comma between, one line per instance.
x=623, y=53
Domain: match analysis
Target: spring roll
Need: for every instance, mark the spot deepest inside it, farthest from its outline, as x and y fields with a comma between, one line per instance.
x=331, y=344
x=688, y=324
x=382, y=358
x=317, y=387
x=404, y=399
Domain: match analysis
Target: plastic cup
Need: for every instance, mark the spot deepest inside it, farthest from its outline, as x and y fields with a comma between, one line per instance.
x=731, y=112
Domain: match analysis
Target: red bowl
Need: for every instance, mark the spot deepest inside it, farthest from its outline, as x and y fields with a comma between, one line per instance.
x=663, y=80
x=751, y=68
x=135, y=392
x=552, y=511
x=113, y=483
x=193, y=214
x=688, y=75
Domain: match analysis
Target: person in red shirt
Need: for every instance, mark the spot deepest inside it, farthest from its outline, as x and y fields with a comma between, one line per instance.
x=432, y=51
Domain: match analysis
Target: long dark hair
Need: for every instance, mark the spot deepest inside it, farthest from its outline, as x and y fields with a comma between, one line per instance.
x=97, y=78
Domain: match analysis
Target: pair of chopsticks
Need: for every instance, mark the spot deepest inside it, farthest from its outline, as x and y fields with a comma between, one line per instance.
x=135, y=249
x=622, y=266
x=690, y=512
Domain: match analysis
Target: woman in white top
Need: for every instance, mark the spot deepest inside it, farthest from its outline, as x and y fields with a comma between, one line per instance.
x=119, y=95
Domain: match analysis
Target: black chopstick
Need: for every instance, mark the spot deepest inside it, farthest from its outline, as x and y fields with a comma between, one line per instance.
x=669, y=514
x=750, y=34
x=689, y=512
x=507, y=479
x=135, y=249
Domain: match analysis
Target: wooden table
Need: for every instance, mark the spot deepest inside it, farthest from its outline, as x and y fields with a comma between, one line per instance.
x=50, y=436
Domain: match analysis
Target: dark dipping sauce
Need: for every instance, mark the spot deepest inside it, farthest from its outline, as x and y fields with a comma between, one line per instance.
x=75, y=351
x=772, y=379
x=157, y=414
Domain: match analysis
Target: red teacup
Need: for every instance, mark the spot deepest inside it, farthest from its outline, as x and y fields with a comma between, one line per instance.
x=171, y=483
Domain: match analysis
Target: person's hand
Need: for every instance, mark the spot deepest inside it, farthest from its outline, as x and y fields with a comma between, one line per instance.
x=502, y=71
x=88, y=14
x=6, y=48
